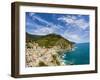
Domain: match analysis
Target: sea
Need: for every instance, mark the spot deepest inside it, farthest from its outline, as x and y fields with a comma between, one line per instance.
x=79, y=55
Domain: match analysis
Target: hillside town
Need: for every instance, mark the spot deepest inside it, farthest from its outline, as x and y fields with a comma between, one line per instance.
x=37, y=56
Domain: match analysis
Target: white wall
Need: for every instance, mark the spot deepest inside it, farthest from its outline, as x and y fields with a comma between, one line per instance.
x=5, y=40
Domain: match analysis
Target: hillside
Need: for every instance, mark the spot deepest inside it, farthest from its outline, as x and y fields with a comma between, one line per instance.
x=46, y=50
x=49, y=40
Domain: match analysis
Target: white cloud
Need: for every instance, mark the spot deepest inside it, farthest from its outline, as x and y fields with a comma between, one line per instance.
x=46, y=28
x=74, y=36
x=47, y=23
x=71, y=36
x=74, y=21
x=82, y=23
x=68, y=19
x=43, y=31
x=41, y=20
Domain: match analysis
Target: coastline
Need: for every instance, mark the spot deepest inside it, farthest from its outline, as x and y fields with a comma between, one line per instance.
x=79, y=54
x=37, y=56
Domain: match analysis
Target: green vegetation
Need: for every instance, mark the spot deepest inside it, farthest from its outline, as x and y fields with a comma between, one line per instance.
x=42, y=64
x=55, y=60
x=49, y=41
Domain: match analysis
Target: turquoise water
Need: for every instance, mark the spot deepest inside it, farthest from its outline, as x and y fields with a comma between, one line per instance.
x=78, y=56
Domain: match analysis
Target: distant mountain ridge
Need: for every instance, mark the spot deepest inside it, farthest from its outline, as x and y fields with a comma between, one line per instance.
x=50, y=40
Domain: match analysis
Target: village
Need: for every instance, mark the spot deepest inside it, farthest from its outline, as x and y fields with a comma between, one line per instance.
x=37, y=56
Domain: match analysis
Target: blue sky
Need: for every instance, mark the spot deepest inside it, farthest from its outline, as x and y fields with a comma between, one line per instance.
x=74, y=27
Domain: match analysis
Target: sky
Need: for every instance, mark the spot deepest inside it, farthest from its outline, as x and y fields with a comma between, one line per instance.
x=74, y=27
